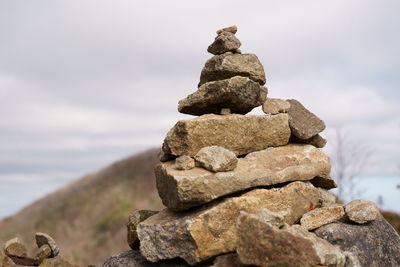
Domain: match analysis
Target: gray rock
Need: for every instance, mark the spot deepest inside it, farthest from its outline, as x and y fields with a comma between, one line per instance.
x=228, y=65
x=216, y=159
x=362, y=211
x=372, y=244
x=302, y=122
x=275, y=106
x=133, y=220
x=316, y=140
x=184, y=163
x=239, y=94
x=224, y=42
x=45, y=239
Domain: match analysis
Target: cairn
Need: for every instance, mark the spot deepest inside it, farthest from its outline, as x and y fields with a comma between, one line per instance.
x=243, y=189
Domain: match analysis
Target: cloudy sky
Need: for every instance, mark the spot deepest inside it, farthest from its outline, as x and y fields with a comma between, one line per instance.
x=85, y=83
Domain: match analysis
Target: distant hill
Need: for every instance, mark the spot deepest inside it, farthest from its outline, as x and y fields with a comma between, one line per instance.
x=87, y=218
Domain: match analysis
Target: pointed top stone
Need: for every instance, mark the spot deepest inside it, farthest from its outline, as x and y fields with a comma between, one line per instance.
x=232, y=29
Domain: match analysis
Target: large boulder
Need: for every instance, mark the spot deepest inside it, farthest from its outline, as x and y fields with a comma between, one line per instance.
x=261, y=244
x=372, y=244
x=201, y=234
x=239, y=94
x=181, y=190
x=228, y=65
x=240, y=134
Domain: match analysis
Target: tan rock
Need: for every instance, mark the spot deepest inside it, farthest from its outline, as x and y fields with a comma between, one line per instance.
x=362, y=211
x=303, y=123
x=216, y=159
x=14, y=247
x=261, y=244
x=321, y=216
x=225, y=111
x=200, y=234
x=233, y=29
x=316, y=140
x=56, y=262
x=239, y=94
x=225, y=66
x=134, y=219
x=224, y=42
x=42, y=253
x=184, y=163
x=228, y=260
x=45, y=239
x=240, y=134
x=275, y=106
x=181, y=190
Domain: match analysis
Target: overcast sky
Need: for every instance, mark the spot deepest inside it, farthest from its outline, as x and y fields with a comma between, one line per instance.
x=85, y=83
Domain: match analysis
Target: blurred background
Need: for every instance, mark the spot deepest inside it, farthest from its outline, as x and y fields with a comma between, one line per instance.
x=84, y=84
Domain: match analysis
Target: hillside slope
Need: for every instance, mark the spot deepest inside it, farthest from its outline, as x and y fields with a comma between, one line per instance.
x=87, y=217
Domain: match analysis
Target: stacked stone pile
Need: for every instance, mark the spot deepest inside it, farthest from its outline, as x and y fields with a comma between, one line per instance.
x=46, y=254
x=248, y=189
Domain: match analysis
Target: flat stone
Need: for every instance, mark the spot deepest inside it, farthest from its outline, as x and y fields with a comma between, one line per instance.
x=200, y=234
x=181, y=190
x=133, y=258
x=45, y=239
x=372, y=244
x=184, y=163
x=324, y=181
x=316, y=140
x=321, y=216
x=275, y=106
x=224, y=42
x=362, y=211
x=228, y=260
x=303, y=123
x=216, y=159
x=228, y=65
x=133, y=220
x=261, y=244
x=239, y=94
x=233, y=29
x=240, y=134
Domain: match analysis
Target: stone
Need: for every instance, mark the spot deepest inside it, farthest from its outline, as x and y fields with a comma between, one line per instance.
x=42, y=253
x=228, y=65
x=232, y=29
x=362, y=211
x=324, y=181
x=184, y=163
x=14, y=248
x=275, y=106
x=200, y=234
x=180, y=190
x=228, y=260
x=303, y=123
x=240, y=134
x=261, y=244
x=276, y=219
x=216, y=159
x=372, y=244
x=45, y=239
x=224, y=42
x=321, y=216
x=133, y=220
x=239, y=94
x=316, y=140
x=225, y=111
x=56, y=262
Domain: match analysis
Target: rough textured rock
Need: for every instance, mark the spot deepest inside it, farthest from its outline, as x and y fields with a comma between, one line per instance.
x=228, y=65
x=14, y=247
x=372, y=244
x=42, y=253
x=216, y=159
x=233, y=29
x=276, y=219
x=321, y=216
x=228, y=260
x=133, y=220
x=181, y=190
x=240, y=134
x=56, y=262
x=239, y=94
x=200, y=234
x=133, y=258
x=45, y=239
x=362, y=211
x=303, y=123
x=184, y=163
x=263, y=245
x=316, y=140
x=225, y=42
x=275, y=106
